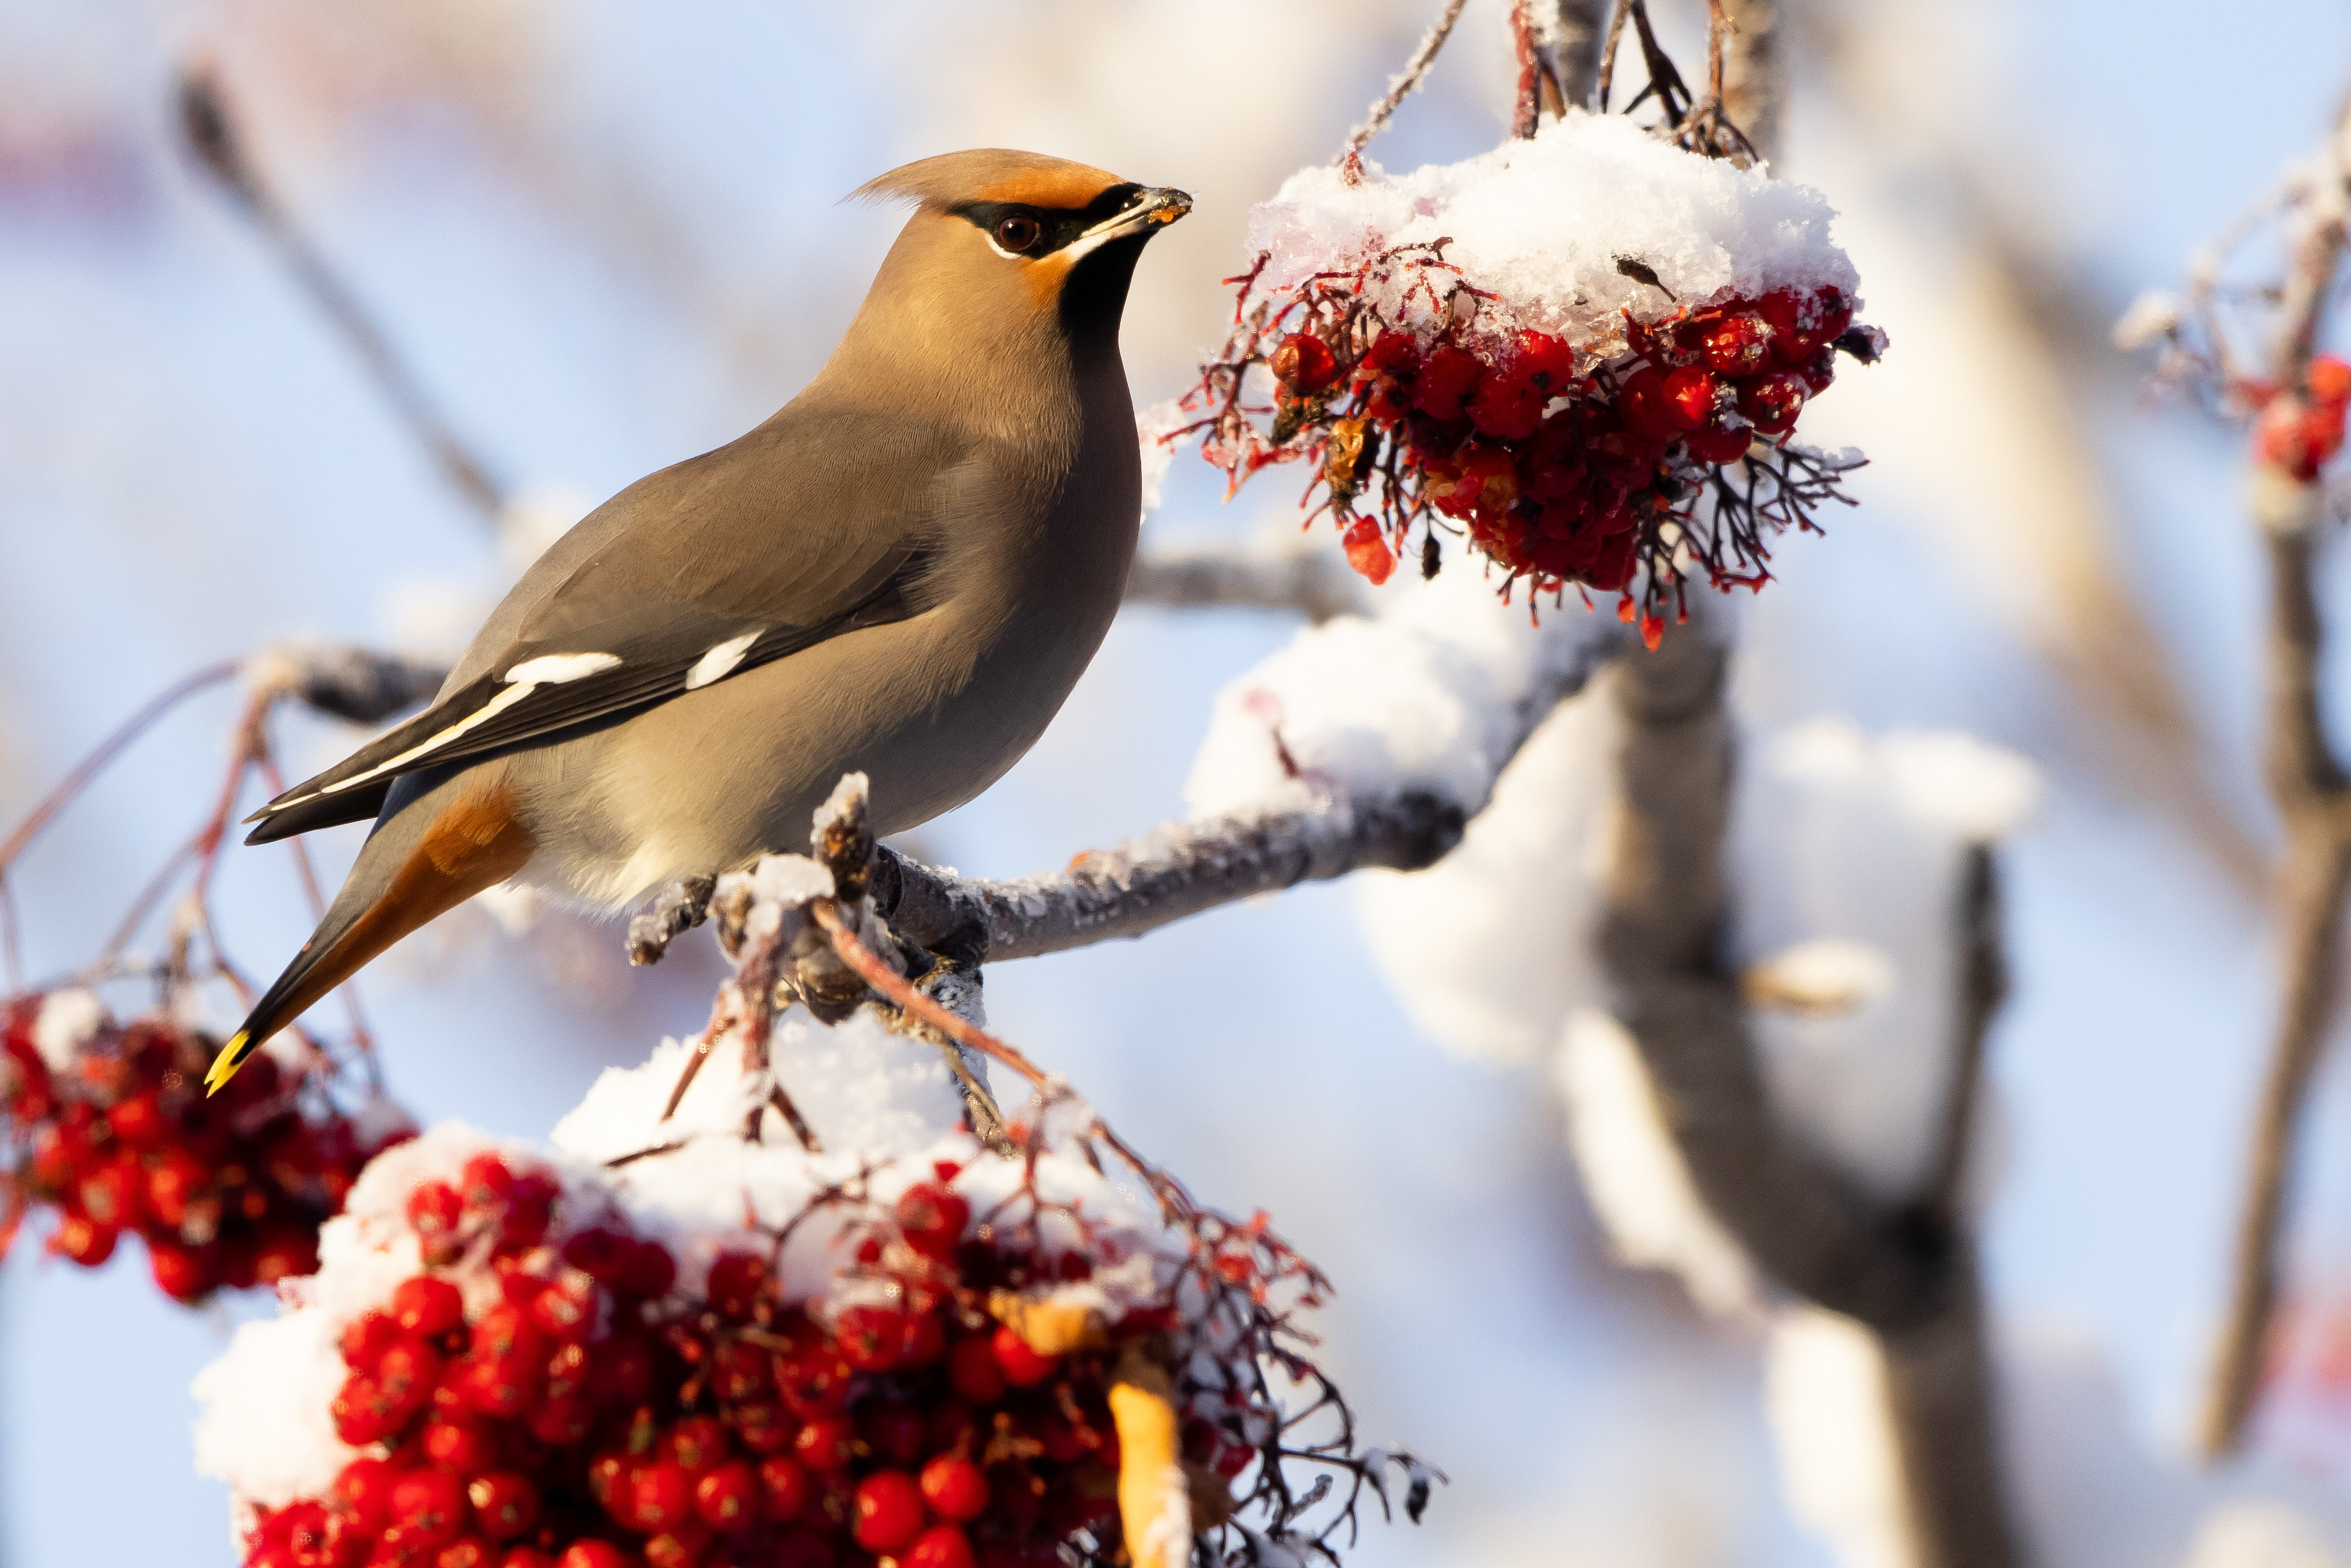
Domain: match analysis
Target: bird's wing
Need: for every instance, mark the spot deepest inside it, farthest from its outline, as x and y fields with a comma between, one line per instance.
x=800, y=531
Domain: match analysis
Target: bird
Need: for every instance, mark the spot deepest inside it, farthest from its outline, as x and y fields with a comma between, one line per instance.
x=903, y=571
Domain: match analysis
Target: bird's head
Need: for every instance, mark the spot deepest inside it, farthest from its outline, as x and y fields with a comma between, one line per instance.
x=1007, y=244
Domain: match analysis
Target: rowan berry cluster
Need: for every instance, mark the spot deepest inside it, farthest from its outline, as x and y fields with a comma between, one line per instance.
x=1566, y=463
x=119, y=1140
x=2299, y=434
x=543, y=1396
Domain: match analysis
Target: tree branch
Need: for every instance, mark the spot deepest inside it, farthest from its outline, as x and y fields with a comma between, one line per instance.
x=2306, y=780
x=1264, y=576
x=212, y=136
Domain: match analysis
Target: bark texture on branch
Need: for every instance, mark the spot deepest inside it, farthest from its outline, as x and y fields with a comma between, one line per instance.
x=2306, y=781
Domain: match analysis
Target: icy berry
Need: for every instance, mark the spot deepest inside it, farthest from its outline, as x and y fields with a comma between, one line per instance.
x=485, y=1182
x=955, y=1488
x=1022, y=1365
x=1689, y=396
x=1368, y=552
x=1392, y=353
x=1736, y=345
x=504, y=1503
x=932, y=1219
x=783, y=1487
x=889, y=1511
x=728, y=1498
x=434, y=1211
x=1304, y=363
x=1447, y=379
x=1772, y=402
x=1832, y=314
x=1547, y=361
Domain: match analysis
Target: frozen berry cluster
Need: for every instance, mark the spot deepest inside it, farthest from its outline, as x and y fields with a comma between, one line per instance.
x=119, y=1140
x=543, y=1396
x=1566, y=463
x=2299, y=434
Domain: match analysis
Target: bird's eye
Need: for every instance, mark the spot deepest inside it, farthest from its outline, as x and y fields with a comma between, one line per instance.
x=1017, y=234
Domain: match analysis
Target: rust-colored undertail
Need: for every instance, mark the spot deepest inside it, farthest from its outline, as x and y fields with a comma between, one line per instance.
x=475, y=844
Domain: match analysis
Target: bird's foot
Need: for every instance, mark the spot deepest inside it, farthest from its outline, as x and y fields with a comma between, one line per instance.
x=674, y=911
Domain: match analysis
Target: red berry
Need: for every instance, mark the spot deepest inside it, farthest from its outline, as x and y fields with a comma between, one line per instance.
x=286, y=1253
x=434, y=1209
x=1392, y=353
x=139, y=1121
x=1368, y=551
x=603, y=1255
x=932, y=1218
x=408, y=1369
x=1783, y=312
x=1547, y=361
x=1719, y=444
x=941, y=1546
x=619, y=1370
x=889, y=1511
x=485, y=1182
x=1737, y=345
x=566, y=1310
x=2329, y=380
x=84, y=1240
x=593, y=1554
x=183, y=1273
x=784, y=1485
x=698, y=1443
x=955, y=1488
x=825, y=1443
x=464, y=1446
x=362, y=1489
x=814, y=1381
x=429, y=1507
x=972, y=1369
x=1772, y=402
x=646, y=1272
x=660, y=1495
x=1641, y=404
x=893, y=1431
x=110, y=1195
x=1508, y=407
x=1304, y=363
x=561, y=1421
x=527, y=1557
x=680, y=1548
x=470, y=1551
x=728, y=1498
x=1021, y=1364
x=1832, y=314
x=737, y=1280
x=762, y=1426
x=870, y=1337
x=739, y=1372
x=1447, y=379
x=1689, y=396
x=505, y=1502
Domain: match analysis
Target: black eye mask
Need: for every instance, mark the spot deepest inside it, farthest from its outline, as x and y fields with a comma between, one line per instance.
x=1057, y=227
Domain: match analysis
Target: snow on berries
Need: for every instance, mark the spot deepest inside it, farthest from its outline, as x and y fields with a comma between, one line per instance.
x=1586, y=352
x=108, y=1129
x=733, y=1352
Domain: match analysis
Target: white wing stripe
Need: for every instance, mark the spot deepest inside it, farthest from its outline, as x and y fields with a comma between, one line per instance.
x=554, y=669
x=488, y=710
x=720, y=661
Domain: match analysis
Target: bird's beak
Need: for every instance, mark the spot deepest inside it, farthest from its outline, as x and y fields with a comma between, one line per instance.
x=1152, y=209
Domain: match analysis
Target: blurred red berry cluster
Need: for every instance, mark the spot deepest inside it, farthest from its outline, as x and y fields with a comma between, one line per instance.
x=226, y=1191
x=539, y=1398
x=1566, y=463
x=2300, y=434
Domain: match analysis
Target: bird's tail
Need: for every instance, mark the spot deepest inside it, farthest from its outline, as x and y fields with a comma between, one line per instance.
x=432, y=849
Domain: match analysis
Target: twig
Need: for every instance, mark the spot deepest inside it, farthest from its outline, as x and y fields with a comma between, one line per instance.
x=1351, y=157
x=212, y=135
x=1318, y=582
x=1983, y=988
x=1608, y=55
x=1527, y=112
x=2306, y=781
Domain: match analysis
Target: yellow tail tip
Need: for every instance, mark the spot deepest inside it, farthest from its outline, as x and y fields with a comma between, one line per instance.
x=226, y=1064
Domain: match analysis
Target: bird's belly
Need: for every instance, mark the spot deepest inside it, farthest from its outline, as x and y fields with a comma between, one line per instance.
x=932, y=710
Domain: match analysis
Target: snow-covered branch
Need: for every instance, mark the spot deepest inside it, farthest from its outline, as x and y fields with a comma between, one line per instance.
x=1283, y=574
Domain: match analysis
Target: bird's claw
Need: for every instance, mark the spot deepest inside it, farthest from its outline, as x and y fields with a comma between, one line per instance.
x=676, y=910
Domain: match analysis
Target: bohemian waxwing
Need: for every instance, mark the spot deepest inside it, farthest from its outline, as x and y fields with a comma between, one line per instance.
x=905, y=571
